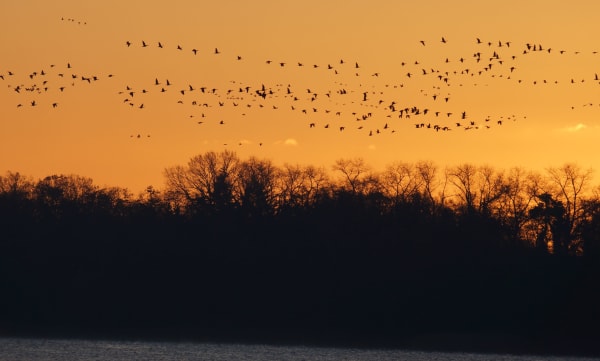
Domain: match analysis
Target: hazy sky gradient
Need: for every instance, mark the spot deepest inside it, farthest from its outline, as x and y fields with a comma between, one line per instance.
x=89, y=131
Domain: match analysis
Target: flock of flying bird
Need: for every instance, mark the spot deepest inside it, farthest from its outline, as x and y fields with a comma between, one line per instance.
x=49, y=82
x=354, y=99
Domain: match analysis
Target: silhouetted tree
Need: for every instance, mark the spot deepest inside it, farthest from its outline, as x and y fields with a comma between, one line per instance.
x=15, y=184
x=589, y=227
x=299, y=187
x=242, y=243
x=553, y=224
x=207, y=182
x=354, y=172
x=65, y=195
x=291, y=184
x=255, y=187
x=430, y=182
x=491, y=187
x=570, y=181
x=515, y=202
x=479, y=188
x=112, y=202
x=463, y=178
x=400, y=181
x=15, y=203
x=317, y=185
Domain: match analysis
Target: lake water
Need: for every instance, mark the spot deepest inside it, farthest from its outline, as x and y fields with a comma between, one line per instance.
x=16, y=349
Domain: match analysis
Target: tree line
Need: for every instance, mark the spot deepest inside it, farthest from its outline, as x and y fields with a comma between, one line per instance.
x=240, y=244
x=555, y=211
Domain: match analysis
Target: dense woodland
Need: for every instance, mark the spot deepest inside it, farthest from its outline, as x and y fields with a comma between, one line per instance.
x=233, y=247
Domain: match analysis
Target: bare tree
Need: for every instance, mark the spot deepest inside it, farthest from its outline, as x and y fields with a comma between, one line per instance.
x=371, y=184
x=256, y=186
x=491, y=187
x=16, y=184
x=178, y=188
x=478, y=187
x=353, y=172
x=400, y=181
x=519, y=196
x=66, y=187
x=569, y=183
x=317, y=184
x=210, y=172
x=291, y=184
x=430, y=182
x=208, y=178
x=463, y=178
x=65, y=194
x=299, y=186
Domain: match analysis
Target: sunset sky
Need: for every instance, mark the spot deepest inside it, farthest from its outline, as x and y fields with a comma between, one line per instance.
x=74, y=96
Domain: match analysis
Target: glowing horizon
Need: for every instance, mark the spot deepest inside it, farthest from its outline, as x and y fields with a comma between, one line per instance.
x=541, y=106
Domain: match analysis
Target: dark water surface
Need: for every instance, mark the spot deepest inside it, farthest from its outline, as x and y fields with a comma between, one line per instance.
x=33, y=349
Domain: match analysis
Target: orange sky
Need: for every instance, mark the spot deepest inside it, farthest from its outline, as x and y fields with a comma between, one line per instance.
x=89, y=132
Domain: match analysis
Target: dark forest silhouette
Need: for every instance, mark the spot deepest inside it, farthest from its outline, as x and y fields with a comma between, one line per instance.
x=243, y=246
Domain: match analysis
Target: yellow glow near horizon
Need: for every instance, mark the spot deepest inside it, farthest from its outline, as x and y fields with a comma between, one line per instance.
x=549, y=103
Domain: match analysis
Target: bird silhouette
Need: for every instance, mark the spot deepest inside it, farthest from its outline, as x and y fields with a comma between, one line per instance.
x=377, y=94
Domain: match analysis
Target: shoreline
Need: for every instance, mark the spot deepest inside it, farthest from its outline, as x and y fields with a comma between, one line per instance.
x=478, y=343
